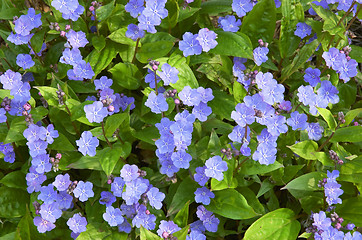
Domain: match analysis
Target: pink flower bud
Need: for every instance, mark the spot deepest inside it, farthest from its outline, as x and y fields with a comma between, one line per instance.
x=57, y=28
x=67, y=27
x=8, y=108
x=110, y=108
x=91, y=8
x=147, y=212
x=58, y=156
x=109, y=181
x=177, y=101
x=154, y=67
x=165, y=235
x=62, y=33
x=27, y=106
x=25, y=113
x=355, y=123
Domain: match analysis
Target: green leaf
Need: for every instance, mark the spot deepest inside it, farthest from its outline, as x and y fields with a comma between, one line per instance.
x=356, y=53
x=214, y=7
x=279, y=224
x=230, y=203
x=348, y=134
x=239, y=92
x=14, y=179
x=306, y=182
x=330, y=20
x=154, y=50
x=233, y=44
x=148, y=134
x=351, y=115
x=260, y=22
x=105, y=11
x=351, y=171
x=93, y=233
x=223, y=110
x=186, y=75
x=26, y=228
x=347, y=94
x=148, y=235
x=126, y=75
x=350, y=210
x=119, y=36
x=109, y=157
x=13, y=202
x=10, y=13
x=182, y=216
x=251, y=167
x=61, y=143
x=173, y=14
x=99, y=60
x=289, y=42
x=305, y=52
x=49, y=94
x=181, y=234
x=305, y=149
x=184, y=193
x=37, y=40
x=88, y=162
x=113, y=122
x=16, y=130
x=98, y=42
x=328, y=117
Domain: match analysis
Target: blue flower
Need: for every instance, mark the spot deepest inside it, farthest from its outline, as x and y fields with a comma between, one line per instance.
x=150, y=78
x=2, y=115
x=32, y=133
x=315, y=131
x=167, y=227
x=298, y=120
x=238, y=134
x=35, y=19
x=157, y=103
x=65, y=6
x=168, y=168
x=347, y=70
x=76, y=39
x=87, y=144
x=23, y=25
x=239, y=67
x=113, y=216
x=303, y=30
x=117, y=186
x=229, y=23
x=155, y=197
x=266, y=139
x=273, y=93
x=321, y=221
x=328, y=92
x=322, y=3
x=306, y=95
x=48, y=133
x=64, y=200
x=83, y=191
x=50, y=212
x=71, y=56
x=206, y=39
x=260, y=55
x=203, y=195
x=74, y=14
x=276, y=125
x=200, y=176
x=21, y=92
x=148, y=221
x=18, y=39
x=181, y=159
x=165, y=144
x=332, y=233
x=215, y=167
x=134, y=190
x=202, y=111
x=47, y=194
x=241, y=7
x=125, y=226
x=43, y=225
x=334, y=58
x=198, y=226
x=243, y=115
x=37, y=148
x=155, y=10
x=107, y=198
x=129, y=172
x=312, y=76
x=95, y=112
x=265, y=79
x=42, y=164
x=265, y=154
x=285, y=105
x=107, y=94
x=189, y=96
x=103, y=83
x=196, y=235
x=77, y=223
x=190, y=45
x=169, y=74
x=83, y=70
x=133, y=32
x=134, y=7
x=34, y=180
x=164, y=127
x=205, y=94
x=24, y=61
x=148, y=23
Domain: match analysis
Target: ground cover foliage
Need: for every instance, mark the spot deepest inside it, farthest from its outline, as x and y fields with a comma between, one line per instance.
x=180, y=119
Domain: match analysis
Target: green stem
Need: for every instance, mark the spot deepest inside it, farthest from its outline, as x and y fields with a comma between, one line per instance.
x=135, y=50
x=328, y=139
x=104, y=134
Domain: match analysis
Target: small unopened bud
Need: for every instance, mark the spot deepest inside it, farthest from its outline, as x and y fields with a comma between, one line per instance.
x=58, y=156
x=174, y=91
x=340, y=162
x=27, y=106
x=142, y=173
x=62, y=33
x=177, y=101
x=67, y=27
x=94, y=3
x=148, y=212
x=340, y=220
x=154, y=67
x=338, y=226
x=110, y=108
x=109, y=181
x=104, y=101
x=25, y=113
x=91, y=8
x=7, y=108
x=165, y=235
x=223, y=150
x=354, y=124
x=57, y=28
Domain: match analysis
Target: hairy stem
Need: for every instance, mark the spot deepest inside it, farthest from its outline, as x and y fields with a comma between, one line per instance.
x=105, y=137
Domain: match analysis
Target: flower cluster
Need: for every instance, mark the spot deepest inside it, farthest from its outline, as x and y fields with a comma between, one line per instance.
x=69, y=9
x=8, y=151
x=194, y=44
x=260, y=53
x=242, y=7
x=229, y=23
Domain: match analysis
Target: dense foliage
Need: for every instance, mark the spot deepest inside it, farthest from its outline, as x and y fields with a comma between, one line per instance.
x=180, y=119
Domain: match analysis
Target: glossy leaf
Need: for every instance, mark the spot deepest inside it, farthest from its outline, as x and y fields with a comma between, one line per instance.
x=348, y=134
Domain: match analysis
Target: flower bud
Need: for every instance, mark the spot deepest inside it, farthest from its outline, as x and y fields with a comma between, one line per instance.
x=91, y=8
x=7, y=108
x=27, y=106
x=177, y=101
x=110, y=108
x=67, y=27
x=62, y=33
x=58, y=156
